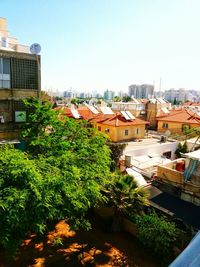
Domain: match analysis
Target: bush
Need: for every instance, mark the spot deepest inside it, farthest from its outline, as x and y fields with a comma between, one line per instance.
x=158, y=234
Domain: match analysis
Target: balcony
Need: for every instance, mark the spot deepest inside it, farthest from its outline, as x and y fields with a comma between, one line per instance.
x=172, y=173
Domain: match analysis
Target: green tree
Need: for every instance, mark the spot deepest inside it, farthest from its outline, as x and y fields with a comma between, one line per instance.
x=61, y=175
x=116, y=152
x=182, y=148
x=126, y=99
x=117, y=99
x=22, y=202
x=194, y=132
x=75, y=101
x=125, y=197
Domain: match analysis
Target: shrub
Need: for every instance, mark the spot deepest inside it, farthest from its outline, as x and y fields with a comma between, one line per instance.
x=158, y=234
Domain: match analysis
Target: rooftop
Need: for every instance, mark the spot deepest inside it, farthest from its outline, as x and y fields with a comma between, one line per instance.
x=180, y=115
x=194, y=154
x=116, y=119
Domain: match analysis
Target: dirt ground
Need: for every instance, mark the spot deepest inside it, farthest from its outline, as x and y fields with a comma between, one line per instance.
x=62, y=247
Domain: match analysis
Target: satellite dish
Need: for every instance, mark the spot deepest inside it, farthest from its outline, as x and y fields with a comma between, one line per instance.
x=35, y=49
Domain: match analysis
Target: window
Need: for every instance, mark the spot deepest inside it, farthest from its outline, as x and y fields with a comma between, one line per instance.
x=107, y=130
x=167, y=154
x=126, y=132
x=165, y=125
x=24, y=73
x=19, y=105
x=4, y=105
x=137, y=130
x=6, y=65
x=4, y=73
x=99, y=128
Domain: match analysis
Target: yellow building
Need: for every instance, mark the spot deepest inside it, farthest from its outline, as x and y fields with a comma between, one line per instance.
x=177, y=121
x=120, y=129
x=155, y=107
x=115, y=125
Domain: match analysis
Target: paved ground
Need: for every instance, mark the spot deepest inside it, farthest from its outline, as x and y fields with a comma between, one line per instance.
x=95, y=248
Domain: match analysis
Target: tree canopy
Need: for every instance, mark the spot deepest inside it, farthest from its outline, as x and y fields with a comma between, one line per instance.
x=61, y=175
x=64, y=171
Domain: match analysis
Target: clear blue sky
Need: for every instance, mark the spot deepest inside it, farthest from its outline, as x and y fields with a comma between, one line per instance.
x=100, y=44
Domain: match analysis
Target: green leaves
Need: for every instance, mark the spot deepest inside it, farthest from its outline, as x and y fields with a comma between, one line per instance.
x=157, y=233
x=61, y=175
x=125, y=195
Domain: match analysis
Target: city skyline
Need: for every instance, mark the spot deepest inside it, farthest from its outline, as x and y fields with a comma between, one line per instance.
x=99, y=45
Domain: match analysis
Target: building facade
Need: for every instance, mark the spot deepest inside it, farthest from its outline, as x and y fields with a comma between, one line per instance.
x=181, y=95
x=109, y=95
x=178, y=121
x=19, y=79
x=143, y=91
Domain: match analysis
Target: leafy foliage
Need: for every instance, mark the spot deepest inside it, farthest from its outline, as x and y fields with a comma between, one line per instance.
x=117, y=99
x=116, y=153
x=61, y=176
x=182, y=148
x=23, y=204
x=126, y=197
x=158, y=234
x=126, y=99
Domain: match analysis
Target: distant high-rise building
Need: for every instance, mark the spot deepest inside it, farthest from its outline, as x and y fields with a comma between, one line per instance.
x=109, y=95
x=70, y=94
x=143, y=91
x=182, y=95
x=174, y=95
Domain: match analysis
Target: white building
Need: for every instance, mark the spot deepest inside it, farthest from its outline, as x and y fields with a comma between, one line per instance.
x=10, y=43
x=181, y=95
x=143, y=91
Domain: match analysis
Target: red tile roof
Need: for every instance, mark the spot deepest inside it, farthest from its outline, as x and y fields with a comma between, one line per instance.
x=181, y=115
x=191, y=104
x=117, y=120
x=107, y=119
x=84, y=112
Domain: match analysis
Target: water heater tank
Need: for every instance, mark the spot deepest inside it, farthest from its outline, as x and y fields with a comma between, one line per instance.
x=127, y=160
x=3, y=24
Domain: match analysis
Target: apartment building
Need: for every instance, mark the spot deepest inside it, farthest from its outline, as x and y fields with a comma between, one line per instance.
x=143, y=91
x=19, y=79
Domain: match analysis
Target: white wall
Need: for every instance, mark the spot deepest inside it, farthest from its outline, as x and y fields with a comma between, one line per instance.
x=158, y=148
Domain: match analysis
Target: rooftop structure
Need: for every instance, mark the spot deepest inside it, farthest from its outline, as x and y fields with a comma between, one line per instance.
x=183, y=174
x=8, y=42
x=118, y=126
x=19, y=79
x=178, y=120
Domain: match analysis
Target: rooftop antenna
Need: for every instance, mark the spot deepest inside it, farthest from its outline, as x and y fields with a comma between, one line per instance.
x=160, y=87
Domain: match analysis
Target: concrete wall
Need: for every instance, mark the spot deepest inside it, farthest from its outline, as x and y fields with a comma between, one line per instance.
x=158, y=148
x=170, y=175
x=17, y=94
x=173, y=127
x=117, y=133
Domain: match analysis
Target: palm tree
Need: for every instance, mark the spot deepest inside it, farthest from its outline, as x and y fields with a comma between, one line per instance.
x=125, y=197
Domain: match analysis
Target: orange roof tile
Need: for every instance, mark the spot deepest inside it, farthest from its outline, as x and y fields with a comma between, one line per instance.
x=181, y=115
x=186, y=104
x=117, y=120
x=107, y=119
